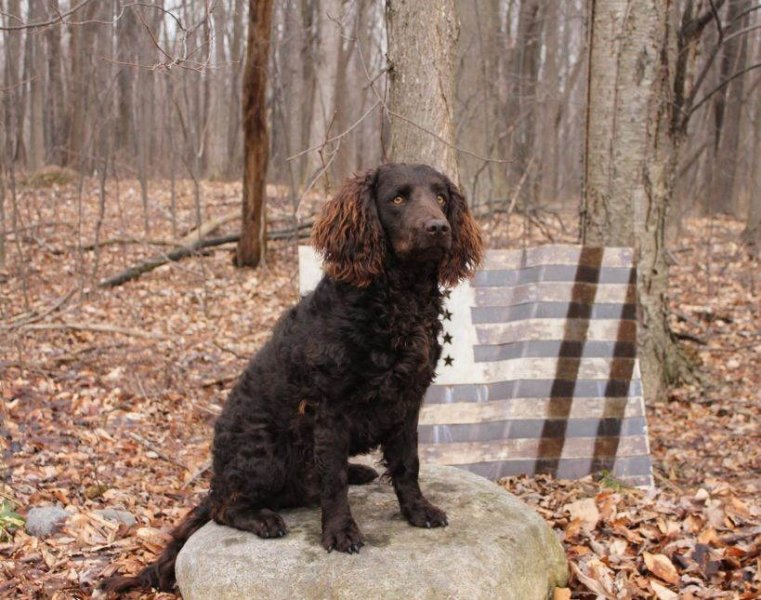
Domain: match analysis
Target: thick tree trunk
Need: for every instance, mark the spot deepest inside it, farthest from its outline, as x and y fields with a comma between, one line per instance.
x=81, y=49
x=631, y=159
x=421, y=82
x=251, y=247
x=618, y=103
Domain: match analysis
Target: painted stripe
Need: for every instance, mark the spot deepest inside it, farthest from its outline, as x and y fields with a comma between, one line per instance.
x=530, y=428
x=558, y=254
x=529, y=408
x=557, y=329
x=633, y=470
x=556, y=291
x=539, y=348
x=530, y=388
x=552, y=310
x=581, y=274
x=458, y=453
x=563, y=367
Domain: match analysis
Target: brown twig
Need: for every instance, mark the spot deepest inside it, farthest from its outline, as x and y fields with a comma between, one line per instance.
x=152, y=448
x=95, y=327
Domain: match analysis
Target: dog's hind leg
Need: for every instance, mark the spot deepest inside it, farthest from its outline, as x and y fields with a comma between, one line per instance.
x=263, y=522
x=361, y=474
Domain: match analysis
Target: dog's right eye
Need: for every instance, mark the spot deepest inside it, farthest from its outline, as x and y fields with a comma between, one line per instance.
x=398, y=200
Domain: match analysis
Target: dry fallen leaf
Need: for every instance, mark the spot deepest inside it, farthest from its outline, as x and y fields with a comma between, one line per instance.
x=661, y=566
x=593, y=584
x=662, y=592
x=585, y=511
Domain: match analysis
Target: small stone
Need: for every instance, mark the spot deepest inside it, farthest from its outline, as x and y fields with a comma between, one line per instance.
x=44, y=520
x=494, y=547
x=116, y=515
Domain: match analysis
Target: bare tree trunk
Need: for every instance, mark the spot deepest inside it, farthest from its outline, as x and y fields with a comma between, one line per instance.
x=327, y=42
x=421, y=91
x=234, y=103
x=56, y=98
x=476, y=88
x=631, y=158
x=344, y=100
x=252, y=245
x=12, y=82
x=752, y=232
x=526, y=70
x=217, y=135
x=80, y=50
x=727, y=110
x=371, y=55
x=127, y=45
x=37, y=85
x=309, y=79
x=3, y=224
x=549, y=104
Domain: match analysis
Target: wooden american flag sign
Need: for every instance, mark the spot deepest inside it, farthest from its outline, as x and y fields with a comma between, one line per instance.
x=539, y=372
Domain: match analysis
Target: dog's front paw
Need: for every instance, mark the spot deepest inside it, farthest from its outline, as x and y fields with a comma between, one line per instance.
x=426, y=514
x=343, y=536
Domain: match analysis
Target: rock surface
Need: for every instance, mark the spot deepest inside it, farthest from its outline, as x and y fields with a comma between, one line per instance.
x=495, y=547
x=117, y=515
x=44, y=520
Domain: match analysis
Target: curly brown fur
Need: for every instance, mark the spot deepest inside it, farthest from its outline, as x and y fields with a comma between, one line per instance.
x=345, y=370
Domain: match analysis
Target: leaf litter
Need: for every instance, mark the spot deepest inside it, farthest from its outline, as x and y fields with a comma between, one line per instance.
x=108, y=401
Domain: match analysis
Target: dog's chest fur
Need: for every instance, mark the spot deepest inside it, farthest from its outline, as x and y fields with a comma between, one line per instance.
x=396, y=362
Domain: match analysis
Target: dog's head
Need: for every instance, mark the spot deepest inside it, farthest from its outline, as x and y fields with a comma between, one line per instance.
x=411, y=211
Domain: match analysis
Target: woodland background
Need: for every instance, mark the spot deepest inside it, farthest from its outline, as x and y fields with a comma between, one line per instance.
x=152, y=90
x=122, y=143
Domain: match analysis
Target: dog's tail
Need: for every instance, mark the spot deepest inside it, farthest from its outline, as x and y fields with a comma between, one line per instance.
x=160, y=574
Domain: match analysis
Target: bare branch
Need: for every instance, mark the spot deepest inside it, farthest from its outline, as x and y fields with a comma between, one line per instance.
x=694, y=28
x=689, y=106
x=715, y=14
x=58, y=19
x=336, y=137
x=705, y=98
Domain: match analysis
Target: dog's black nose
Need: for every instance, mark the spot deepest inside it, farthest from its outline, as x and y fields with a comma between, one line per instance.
x=437, y=227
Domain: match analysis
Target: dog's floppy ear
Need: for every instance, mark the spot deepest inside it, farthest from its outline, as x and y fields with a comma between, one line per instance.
x=349, y=235
x=467, y=247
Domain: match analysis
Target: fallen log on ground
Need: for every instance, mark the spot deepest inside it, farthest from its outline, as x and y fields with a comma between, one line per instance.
x=199, y=244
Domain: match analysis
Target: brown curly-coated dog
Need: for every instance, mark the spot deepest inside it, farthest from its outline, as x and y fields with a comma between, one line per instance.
x=345, y=370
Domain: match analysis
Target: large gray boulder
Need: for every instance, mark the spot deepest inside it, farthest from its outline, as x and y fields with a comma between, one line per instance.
x=495, y=547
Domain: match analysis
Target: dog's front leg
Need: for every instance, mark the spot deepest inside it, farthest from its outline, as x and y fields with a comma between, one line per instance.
x=331, y=453
x=401, y=456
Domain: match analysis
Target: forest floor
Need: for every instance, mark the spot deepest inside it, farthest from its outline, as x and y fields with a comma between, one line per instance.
x=109, y=395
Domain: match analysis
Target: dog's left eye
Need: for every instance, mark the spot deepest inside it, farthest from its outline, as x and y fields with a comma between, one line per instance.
x=441, y=200
x=398, y=200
